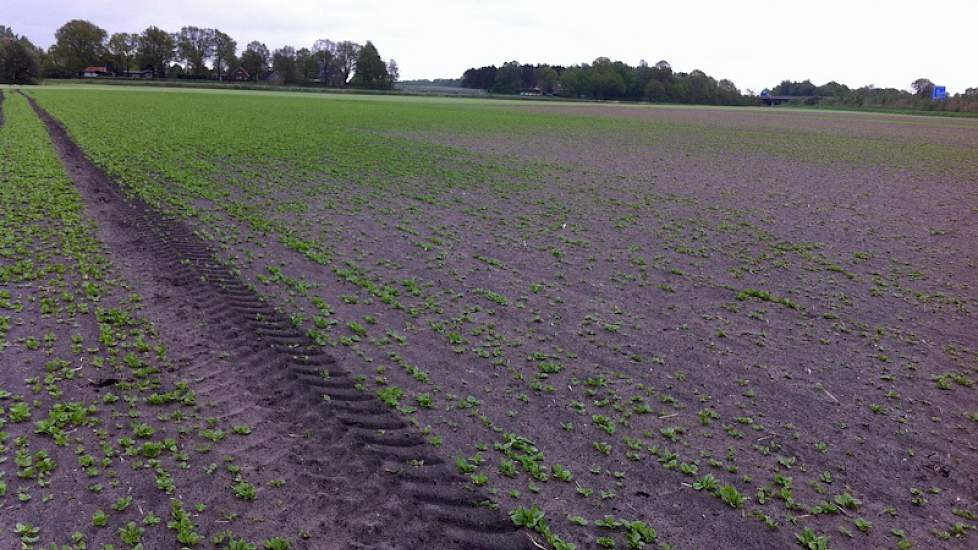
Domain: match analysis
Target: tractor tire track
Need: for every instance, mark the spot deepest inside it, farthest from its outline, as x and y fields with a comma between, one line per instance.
x=358, y=468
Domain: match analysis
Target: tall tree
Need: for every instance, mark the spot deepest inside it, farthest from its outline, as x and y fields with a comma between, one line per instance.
x=284, y=65
x=546, y=78
x=574, y=81
x=727, y=92
x=655, y=90
x=371, y=70
x=833, y=89
x=196, y=46
x=607, y=84
x=479, y=79
x=347, y=54
x=393, y=72
x=703, y=89
x=255, y=59
x=509, y=79
x=922, y=87
x=225, y=53
x=19, y=58
x=78, y=44
x=324, y=51
x=679, y=91
x=123, y=47
x=306, y=65
x=157, y=48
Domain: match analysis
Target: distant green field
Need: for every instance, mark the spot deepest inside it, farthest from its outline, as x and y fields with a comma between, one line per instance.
x=894, y=111
x=302, y=129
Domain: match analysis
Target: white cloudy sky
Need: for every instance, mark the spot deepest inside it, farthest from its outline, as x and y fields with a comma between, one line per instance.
x=756, y=44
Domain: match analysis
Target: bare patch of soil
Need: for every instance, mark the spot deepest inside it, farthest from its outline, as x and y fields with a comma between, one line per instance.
x=334, y=468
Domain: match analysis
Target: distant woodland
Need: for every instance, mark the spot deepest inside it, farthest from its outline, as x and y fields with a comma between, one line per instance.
x=840, y=95
x=606, y=79
x=82, y=48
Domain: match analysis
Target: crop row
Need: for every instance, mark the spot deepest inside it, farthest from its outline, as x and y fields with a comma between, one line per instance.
x=99, y=438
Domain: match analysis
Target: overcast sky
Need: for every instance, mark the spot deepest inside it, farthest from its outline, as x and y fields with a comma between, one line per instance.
x=755, y=44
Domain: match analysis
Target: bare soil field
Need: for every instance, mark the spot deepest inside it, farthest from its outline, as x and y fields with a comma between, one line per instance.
x=451, y=324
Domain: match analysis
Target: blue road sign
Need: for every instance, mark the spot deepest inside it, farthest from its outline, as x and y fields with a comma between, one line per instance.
x=939, y=92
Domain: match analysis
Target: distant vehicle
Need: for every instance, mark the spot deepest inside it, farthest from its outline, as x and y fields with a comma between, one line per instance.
x=531, y=92
x=148, y=73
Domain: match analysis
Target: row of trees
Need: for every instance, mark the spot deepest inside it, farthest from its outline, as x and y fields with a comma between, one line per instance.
x=20, y=60
x=606, y=79
x=918, y=97
x=193, y=52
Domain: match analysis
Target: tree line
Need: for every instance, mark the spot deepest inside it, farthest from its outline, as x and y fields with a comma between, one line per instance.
x=193, y=52
x=919, y=96
x=606, y=79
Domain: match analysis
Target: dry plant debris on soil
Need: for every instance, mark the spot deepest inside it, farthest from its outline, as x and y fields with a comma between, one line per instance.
x=256, y=320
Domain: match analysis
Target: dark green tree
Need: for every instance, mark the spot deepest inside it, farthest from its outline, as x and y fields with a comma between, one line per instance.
x=832, y=89
x=346, y=56
x=255, y=59
x=606, y=80
x=655, y=91
x=78, y=44
x=574, y=81
x=922, y=87
x=679, y=91
x=284, y=67
x=371, y=70
x=479, y=79
x=225, y=53
x=727, y=92
x=703, y=89
x=122, y=48
x=157, y=48
x=546, y=78
x=307, y=65
x=195, y=46
x=509, y=79
x=19, y=58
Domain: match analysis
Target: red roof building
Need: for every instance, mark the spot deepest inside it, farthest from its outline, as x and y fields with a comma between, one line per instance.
x=95, y=72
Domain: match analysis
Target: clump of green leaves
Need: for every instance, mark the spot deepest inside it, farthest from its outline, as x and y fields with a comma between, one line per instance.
x=810, y=540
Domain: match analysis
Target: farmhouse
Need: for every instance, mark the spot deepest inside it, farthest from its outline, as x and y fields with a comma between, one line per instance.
x=237, y=75
x=96, y=72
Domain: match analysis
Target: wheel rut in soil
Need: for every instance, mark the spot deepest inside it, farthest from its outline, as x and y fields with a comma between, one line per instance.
x=356, y=456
